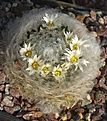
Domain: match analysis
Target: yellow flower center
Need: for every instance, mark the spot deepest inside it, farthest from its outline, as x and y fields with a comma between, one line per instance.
x=57, y=73
x=28, y=54
x=74, y=59
x=51, y=24
x=45, y=69
x=35, y=65
x=75, y=47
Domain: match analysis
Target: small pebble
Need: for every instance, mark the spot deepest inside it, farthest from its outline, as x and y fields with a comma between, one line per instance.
x=7, y=101
x=68, y=115
x=1, y=107
x=101, y=21
x=4, y=4
x=9, y=109
x=90, y=106
x=2, y=87
x=32, y=114
x=32, y=108
x=1, y=97
x=6, y=9
x=72, y=120
x=95, y=118
x=7, y=89
x=81, y=115
x=94, y=33
x=14, y=4
x=9, y=5
x=105, y=19
x=14, y=93
x=76, y=118
x=92, y=110
x=16, y=101
x=88, y=97
x=17, y=108
x=79, y=110
x=56, y=115
x=88, y=115
x=99, y=95
x=64, y=117
x=93, y=15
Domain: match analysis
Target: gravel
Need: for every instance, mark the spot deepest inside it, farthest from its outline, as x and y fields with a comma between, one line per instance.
x=14, y=107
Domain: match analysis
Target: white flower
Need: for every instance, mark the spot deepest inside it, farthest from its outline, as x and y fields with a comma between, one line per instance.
x=59, y=73
x=34, y=65
x=27, y=51
x=65, y=66
x=68, y=36
x=50, y=21
x=76, y=43
x=45, y=69
x=75, y=58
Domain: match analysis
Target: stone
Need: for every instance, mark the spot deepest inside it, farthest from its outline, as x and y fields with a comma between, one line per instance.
x=6, y=9
x=1, y=107
x=14, y=93
x=9, y=5
x=68, y=115
x=32, y=115
x=9, y=109
x=64, y=117
x=105, y=19
x=32, y=108
x=99, y=96
x=93, y=15
x=14, y=4
x=7, y=101
x=16, y=101
x=101, y=21
x=17, y=108
x=2, y=87
x=7, y=88
x=1, y=96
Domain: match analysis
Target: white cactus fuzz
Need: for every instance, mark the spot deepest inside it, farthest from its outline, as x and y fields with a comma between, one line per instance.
x=57, y=59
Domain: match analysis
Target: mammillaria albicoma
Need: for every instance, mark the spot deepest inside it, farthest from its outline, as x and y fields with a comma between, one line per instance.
x=52, y=59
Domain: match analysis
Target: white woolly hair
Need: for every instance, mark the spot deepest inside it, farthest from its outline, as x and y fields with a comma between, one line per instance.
x=50, y=95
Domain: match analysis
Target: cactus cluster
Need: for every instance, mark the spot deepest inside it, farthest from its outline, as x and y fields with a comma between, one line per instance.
x=51, y=59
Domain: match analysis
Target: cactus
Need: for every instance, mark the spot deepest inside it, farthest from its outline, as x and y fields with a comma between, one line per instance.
x=51, y=59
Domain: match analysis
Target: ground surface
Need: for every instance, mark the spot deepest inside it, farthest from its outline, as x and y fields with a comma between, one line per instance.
x=95, y=20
